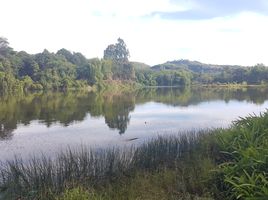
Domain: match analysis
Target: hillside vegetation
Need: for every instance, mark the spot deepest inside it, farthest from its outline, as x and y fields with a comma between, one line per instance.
x=63, y=70
x=208, y=73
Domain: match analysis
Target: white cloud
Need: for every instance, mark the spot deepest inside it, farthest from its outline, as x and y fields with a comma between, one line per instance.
x=88, y=26
x=137, y=8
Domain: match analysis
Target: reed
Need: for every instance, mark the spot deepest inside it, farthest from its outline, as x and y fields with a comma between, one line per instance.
x=93, y=167
x=245, y=168
x=224, y=164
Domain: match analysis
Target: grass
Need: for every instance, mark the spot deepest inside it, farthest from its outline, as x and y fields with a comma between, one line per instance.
x=214, y=164
x=246, y=149
x=93, y=168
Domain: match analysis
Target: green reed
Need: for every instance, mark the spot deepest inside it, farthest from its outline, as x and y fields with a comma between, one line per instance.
x=42, y=176
x=245, y=148
x=224, y=163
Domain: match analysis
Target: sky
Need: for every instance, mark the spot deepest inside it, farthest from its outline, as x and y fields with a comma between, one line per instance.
x=155, y=31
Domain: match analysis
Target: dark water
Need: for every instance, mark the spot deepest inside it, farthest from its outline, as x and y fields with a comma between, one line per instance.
x=50, y=122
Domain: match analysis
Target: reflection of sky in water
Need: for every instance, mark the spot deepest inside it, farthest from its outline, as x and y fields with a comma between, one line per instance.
x=161, y=118
x=146, y=121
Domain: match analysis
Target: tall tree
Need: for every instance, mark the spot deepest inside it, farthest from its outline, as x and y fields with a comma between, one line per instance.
x=3, y=42
x=29, y=68
x=117, y=52
x=4, y=46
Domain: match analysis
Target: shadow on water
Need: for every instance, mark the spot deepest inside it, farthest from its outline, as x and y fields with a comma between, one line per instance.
x=70, y=107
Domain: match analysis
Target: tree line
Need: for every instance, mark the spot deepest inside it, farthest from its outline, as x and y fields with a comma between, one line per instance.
x=61, y=70
x=218, y=74
x=20, y=71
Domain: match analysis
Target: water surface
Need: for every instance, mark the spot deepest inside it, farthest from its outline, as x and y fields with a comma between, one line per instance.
x=47, y=123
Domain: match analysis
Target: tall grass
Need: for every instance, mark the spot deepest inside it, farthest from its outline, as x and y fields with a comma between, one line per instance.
x=224, y=163
x=93, y=167
x=245, y=168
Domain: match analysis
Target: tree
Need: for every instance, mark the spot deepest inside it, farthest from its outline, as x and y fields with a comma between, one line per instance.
x=44, y=58
x=117, y=52
x=67, y=54
x=29, y=68
x=27, y=83
x=3, y=43
x=106, y=69
x=4, y=48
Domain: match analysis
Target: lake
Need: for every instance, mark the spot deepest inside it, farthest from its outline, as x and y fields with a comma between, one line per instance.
x=46, y=123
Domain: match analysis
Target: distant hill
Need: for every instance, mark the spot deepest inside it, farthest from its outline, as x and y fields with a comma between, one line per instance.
x=193, y=66
x=140, y=66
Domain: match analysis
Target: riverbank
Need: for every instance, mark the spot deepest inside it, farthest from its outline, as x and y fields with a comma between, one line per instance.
x=231, y=85
x=213, y=164
x=123, y=86
x=118, y=85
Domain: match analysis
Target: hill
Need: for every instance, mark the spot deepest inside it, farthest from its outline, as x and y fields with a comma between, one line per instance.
x=193, y=66
x=140, y=66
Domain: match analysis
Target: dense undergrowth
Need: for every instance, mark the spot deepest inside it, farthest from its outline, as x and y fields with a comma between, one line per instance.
x=245, y=170
x=214, y=164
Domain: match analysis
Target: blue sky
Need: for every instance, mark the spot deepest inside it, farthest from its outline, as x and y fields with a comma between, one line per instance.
x=208, y=9
x=155, y=31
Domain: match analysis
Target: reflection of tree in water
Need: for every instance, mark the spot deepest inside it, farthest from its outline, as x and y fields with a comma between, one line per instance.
x=48, y=108
x=7, y=116
x=63, y=108
x=67, y=108
x=119, y=122
x=196, y=95
x=116, y=111
x=6, y=131
x=114, y=107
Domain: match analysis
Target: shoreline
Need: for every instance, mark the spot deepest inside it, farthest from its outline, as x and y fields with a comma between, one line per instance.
x=210, y=164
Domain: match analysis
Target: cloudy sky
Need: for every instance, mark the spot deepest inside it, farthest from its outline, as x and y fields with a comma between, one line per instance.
x=155, y=31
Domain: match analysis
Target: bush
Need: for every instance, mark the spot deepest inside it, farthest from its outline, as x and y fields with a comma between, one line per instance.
x=75, y=194
x=245, y=146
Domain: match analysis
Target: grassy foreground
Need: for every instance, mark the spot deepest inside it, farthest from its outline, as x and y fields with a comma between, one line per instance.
x=214, y=164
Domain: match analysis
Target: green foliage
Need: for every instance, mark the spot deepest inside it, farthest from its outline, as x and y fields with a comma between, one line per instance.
x=164, y=78
x=117, y=52
x=218, y=74
x=8, y=83
x=63, y=70
x=76, y=194
x=97, y=168
x=3, y=43
x=95, y=74
x=67, y=70
x=29, y=68
x=4, y=47
x=183, y=167
x=41, y=71
x=27, y=83
x=246, y=149
x=106, y=69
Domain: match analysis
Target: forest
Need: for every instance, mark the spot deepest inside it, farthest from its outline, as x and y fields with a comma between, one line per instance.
x=63, y=70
